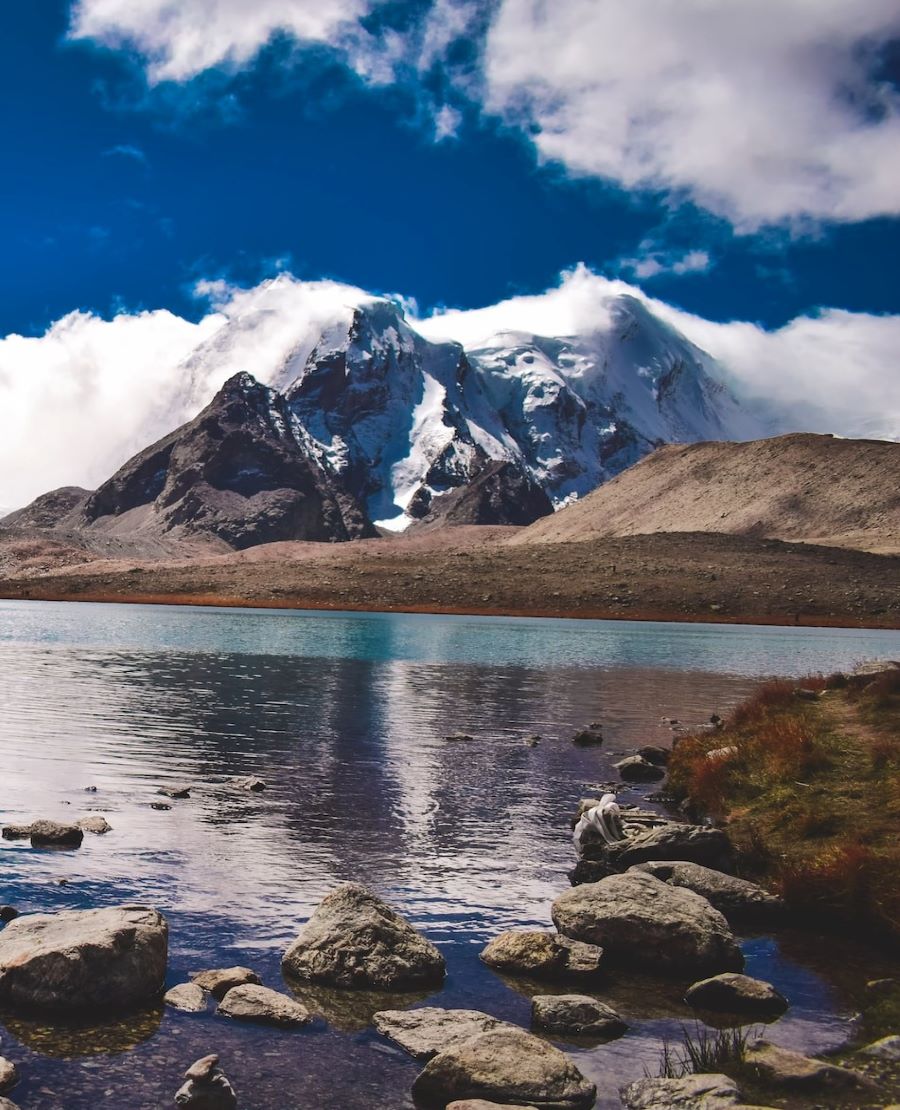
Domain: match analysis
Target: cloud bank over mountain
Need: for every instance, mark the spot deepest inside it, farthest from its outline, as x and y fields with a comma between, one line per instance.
x=80, y=399
x=760, y=111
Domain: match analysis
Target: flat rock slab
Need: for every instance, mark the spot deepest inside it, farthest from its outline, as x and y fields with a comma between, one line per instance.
x=692, y=1092
x=262, y=1005
x=9, y=1074
x=505, y=1065
x=887, y=1048
x=102, y=960
x=542, y=954
x=576, y=1015
x=354, y=939
x=94, y=824
x=736, y=994
x=425, y=1032
x=175, y=791
x=187, y=997
x=675, y=842
x=220, y=980
x=737, y=899
x=793, y=1071
x=639, y=920
x=53, y=834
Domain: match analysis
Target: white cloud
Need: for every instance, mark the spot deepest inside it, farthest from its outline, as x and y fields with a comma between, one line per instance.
x=77, y=401
x=832, y=372
x=180, y=39
x=762, y=111
x=759, y=110
x=651, y=261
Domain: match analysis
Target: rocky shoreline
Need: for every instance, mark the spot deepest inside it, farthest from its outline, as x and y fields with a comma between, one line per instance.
x=658, y=896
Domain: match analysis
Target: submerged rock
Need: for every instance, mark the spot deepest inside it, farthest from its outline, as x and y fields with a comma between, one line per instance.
x=793, y=1071
x=101, y=960
x=737, y=899
x=219, y=981
x=249, y=782
x=260, y=1004
x=94, y=824
x=541, y=954
x=425, y=1032
x=736, y=994
x=575, y=1015
x=354, y=939
x=639, y=920
x=590, y=737
x=206, y=1087
x=187, y=997
x=175, y=791
x=505, y=1065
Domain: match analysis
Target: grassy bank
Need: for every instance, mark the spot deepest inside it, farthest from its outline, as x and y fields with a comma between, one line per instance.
x=806, y=777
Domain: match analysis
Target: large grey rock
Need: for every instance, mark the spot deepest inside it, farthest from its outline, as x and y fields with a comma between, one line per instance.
x=691, y=1092
x=187, y=997
x=219, y=980
x=671, y=841
x=425, y=1032
x=9, y=1074
x=737, y=899
x=792, y=1071
x=260, y=1004
x=576, y=1015
x=100, y=960
x=505, y=1065
x=639, y=920
x=354, y=939
x=736, y=994
x=206, y=1087
x=634, y=768
x=541, y=954
x=52, y=834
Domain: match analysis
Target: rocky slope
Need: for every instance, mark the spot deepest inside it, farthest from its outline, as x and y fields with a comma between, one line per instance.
x=808, y=488
x=242, y=471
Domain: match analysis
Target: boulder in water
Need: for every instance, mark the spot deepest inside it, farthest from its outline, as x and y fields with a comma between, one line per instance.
x=425, y=1032
x=264, y=1006
x=101, y=960
x=639, y=920
x=505, y=1065
x=354, y=939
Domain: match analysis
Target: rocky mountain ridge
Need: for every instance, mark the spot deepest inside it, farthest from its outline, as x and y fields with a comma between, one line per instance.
x=372, y=425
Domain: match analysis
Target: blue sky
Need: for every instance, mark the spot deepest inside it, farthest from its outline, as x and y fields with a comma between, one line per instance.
x=496, y=163
x=119, y=191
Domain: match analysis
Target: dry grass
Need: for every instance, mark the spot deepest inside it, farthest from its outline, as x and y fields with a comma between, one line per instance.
x=807, y=777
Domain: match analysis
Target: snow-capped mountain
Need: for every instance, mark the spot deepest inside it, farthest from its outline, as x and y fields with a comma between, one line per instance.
x=404, y=419
x=375, y=424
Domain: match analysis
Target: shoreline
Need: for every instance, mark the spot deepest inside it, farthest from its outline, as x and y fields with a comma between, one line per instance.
x=226, y=601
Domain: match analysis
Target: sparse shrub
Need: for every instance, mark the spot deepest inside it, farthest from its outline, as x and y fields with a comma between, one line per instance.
x=703, y=1051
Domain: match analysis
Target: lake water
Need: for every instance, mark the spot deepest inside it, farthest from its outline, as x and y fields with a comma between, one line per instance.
x=345, y=716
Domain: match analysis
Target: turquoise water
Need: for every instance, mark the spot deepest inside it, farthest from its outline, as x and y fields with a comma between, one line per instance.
x=345, y=716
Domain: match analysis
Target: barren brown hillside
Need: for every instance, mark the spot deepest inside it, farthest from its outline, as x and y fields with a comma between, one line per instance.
x=806, y=488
